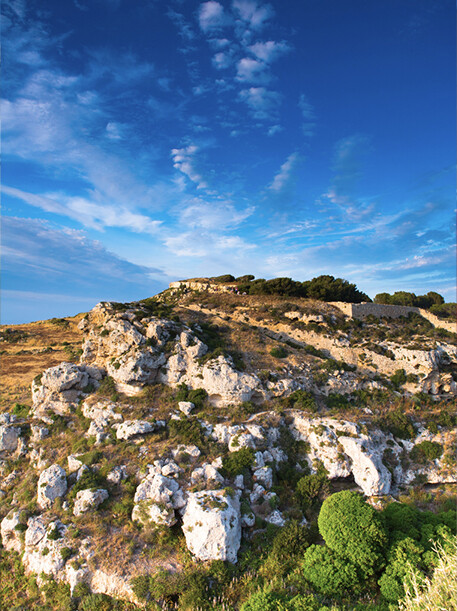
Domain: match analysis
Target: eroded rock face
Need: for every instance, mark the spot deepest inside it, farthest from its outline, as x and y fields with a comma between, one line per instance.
x=132, y=428
x=9, y=436
x=212, y=525
x=52, y=484
x=89, y=499
x=131, y=351
x=60, y=387
x=42, y=554
x=11, y=539
x=156, y=498
x=343, y=450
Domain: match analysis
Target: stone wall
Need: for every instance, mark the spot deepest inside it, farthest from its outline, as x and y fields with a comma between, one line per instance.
x=362, y=310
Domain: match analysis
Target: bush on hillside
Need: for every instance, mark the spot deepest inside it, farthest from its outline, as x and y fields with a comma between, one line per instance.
x=352, y=529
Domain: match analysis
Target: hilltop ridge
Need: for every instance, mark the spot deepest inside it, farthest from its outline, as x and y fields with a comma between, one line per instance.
x=205, y=425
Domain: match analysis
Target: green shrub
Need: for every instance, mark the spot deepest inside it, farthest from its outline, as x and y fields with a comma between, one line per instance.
x=309, y=488
x=66, y=553
x=399, y=424
x=398, y=378
x=236, y=463
x=187, y=430
x=403, y=557
x=301, y=399
x=329, y=573
x=425, y=451
x=336, y=401
x=353, y=529
x=21, y=410
x=279, y=352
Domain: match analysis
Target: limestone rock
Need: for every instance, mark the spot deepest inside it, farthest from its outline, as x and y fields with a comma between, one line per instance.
x=206, y=473
x=264, y=475
x=11, y=538
x=61, y=386
x=191, y=450
x=52, y=483
x=276, y=518
x=131, y=428
x=117, y=474
x=42, y=554
x=186, y=407
x=89, y=499
x=73, y=463
x=212, y=525
x=9, y=436
x=150, y=512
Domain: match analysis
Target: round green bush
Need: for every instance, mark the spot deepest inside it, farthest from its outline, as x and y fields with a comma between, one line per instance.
x=329, y=573
x=353, y=530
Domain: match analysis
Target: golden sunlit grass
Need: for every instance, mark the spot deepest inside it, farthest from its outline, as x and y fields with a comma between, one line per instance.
x=26, y=350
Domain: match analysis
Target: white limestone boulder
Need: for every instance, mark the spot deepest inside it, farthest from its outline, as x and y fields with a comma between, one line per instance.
x=132, y=428
x=11, y=537
x=52, y=484
x=89, y=499
x=212, y=525
x=9, y=436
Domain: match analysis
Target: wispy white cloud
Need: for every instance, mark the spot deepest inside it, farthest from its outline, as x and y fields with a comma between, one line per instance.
x=212, y=16
x=309, y=117
x=201, y=243
x=58, y=257
x=88, y=213
x=253, y=14
x=282, y=178
x=269, y=51
x=223, y=59
x=262, y=102
x=183, y=160
x=252, y=71
x=213, y=215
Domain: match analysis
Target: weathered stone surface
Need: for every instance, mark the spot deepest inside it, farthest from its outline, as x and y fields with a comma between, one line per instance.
x=37, y=542
x=131, y=428
x=212, y=525
x=149, y=512
x=206, y=473
x=276, y=518
x=191, y=450
x=61, y=386
x=117, y=474
x=9, y=436
x=264, y=475
x=11, y=539
x=186, y=407
x=52, y=483
x=73, y=463
x=89, y=499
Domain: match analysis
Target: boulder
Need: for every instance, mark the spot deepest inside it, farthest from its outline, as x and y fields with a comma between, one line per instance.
x=186, y=407
x=9, y=438
x=117, y=474
x=89, y=499
x=11, y=536
x=61, y=386
x=131, y=428
x=156, y=498
x=212, y=525
x=52, y=484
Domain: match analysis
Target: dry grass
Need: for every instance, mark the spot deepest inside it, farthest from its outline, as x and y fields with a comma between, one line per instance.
x=41, y=346
x=439, y=593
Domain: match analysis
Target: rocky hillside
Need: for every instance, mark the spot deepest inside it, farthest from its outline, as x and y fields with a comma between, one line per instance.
x=197, y=426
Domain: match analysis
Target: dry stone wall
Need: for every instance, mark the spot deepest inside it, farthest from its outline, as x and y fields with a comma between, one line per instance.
x=362, y=310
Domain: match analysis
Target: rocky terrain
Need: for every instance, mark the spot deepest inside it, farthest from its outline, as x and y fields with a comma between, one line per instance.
x=181, y=427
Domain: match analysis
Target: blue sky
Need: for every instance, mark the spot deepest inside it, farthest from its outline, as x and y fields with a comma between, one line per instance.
x=150, y=140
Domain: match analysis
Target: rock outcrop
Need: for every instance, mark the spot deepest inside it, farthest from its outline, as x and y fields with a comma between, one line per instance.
x=212, y=525
x=52, y=484
x=60, y=387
